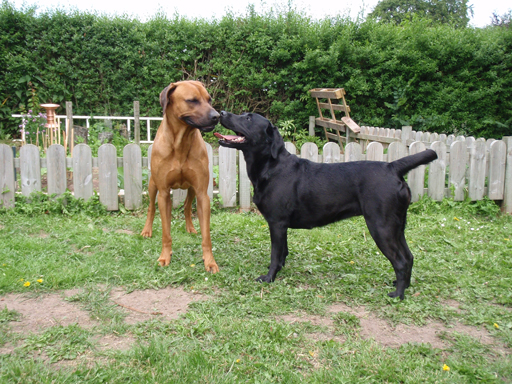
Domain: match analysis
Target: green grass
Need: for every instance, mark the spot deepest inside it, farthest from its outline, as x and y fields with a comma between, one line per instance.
x=463, y=252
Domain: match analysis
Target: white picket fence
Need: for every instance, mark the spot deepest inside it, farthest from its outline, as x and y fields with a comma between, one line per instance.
x=465, y=167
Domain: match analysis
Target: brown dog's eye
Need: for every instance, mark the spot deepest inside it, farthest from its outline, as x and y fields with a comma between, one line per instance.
x=193, y=101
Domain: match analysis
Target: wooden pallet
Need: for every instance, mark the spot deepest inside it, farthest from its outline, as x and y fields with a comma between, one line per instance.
x=335, y=102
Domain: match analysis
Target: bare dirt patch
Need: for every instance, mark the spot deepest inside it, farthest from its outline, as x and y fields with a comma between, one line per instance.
x=167, y=303
x=373, y=327
x=48, y=310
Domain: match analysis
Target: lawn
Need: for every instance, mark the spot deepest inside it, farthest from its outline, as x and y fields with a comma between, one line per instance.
x=326, y=319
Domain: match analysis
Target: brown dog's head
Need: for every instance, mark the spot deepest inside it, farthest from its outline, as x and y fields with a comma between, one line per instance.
x=190, y=102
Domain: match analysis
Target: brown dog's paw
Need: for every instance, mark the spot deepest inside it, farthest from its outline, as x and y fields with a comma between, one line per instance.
x=191, y=229
x=164, y=260
x=212, y=267
x=146, y=233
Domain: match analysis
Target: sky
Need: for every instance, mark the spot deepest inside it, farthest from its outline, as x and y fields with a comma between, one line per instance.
x=144, y=9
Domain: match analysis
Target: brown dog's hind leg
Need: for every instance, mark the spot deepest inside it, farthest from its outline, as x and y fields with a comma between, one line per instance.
x=148, y=227
x=165, y=206
x=191, y=194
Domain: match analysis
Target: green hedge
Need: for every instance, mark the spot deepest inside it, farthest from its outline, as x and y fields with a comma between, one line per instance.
x=432, y=77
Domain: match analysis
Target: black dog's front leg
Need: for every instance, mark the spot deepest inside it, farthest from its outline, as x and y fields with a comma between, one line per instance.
x=278, y=238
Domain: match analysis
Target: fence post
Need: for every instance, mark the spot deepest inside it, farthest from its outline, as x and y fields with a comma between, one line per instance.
x=136, y=122
x=70, y=131
x=311, y=125
x=507, y=197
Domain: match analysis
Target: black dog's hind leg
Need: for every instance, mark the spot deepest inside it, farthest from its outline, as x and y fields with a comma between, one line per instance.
x=390, y=239
x=279, y=240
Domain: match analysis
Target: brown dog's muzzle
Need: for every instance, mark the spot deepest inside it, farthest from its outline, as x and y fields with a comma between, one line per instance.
x=204, y=125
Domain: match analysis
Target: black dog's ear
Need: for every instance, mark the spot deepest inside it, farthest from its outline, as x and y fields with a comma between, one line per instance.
x=165, y=95
x=276, y=140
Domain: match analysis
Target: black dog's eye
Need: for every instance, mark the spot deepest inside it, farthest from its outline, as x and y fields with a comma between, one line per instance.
x=248, y=117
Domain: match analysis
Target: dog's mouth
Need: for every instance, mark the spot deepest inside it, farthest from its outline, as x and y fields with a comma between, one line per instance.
x=232, y=139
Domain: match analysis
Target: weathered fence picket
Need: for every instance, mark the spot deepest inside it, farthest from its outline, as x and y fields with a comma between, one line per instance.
x=56, y=169
x=107, y=175
x=497, y=163
x=30, y=169
x=82, y=172
x=332, y=153
x=227, y=176
x=7, y=184
x=416, y=177
x=132, y=162
x=476, y=169
x=437, y=172
x=375, y=152
x=244, y=183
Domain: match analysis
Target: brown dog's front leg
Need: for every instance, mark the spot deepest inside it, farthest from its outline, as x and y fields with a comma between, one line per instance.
x=148, y=227
x=203, y=212
x=191, y=194
x=165, y=206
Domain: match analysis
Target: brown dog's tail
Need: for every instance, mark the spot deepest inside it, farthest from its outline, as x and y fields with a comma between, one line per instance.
x=405, y=164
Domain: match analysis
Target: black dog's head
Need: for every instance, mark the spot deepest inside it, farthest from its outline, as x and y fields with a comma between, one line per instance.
x=253, y=133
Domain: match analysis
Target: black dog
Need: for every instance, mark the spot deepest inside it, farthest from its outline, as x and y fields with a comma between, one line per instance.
x=296, y=193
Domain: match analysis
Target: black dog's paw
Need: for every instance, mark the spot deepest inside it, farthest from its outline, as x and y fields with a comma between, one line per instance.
x=265, y=279
x=395, y=294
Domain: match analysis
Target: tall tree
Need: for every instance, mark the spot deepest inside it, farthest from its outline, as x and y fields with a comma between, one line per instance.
x=454, y=12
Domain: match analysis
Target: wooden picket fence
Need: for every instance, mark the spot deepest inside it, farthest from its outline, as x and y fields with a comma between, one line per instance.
x=465, y=168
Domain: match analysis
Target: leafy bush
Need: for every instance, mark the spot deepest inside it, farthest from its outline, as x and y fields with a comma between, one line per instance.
x=434, y=77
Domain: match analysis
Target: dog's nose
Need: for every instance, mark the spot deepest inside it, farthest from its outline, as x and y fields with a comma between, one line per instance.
x=214, y=116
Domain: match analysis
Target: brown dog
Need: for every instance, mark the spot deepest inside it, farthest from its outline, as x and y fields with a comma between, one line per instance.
x=179, y=160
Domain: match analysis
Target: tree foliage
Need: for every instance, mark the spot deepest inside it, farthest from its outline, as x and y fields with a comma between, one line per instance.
x=435, y=77
x=454, y=12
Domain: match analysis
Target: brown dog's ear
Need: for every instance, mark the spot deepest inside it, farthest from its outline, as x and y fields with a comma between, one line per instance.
x=276, y=140
x=165, y=95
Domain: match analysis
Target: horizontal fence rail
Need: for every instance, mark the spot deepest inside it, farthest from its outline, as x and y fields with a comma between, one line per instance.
x=465, y=168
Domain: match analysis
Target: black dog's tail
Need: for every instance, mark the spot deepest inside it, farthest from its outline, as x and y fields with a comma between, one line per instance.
x=405, y=164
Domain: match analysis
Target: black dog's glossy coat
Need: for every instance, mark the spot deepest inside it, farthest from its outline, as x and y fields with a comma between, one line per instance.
x=296, y=193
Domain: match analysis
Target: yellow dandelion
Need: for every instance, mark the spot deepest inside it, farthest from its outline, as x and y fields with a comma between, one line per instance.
x=27, y=284
x=39, y=280
x=192, y=265
x=312, y=353
x=352, y=262
x=22, y=279
x=446, y=368
x=496, y=326
x=237, y=360
x=507, y=239
x=456, y=219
